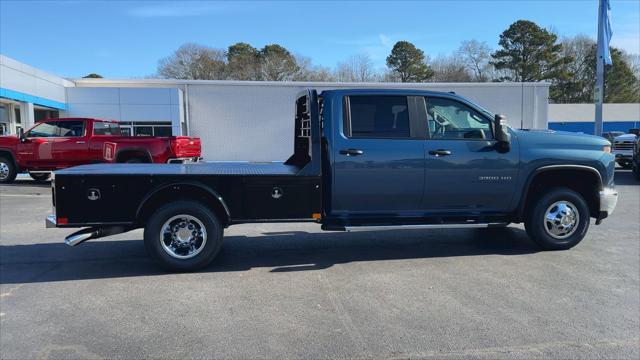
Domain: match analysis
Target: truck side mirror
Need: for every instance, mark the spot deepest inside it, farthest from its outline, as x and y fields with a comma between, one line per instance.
x=21, y=135
x=635, y=132
x=502, y=133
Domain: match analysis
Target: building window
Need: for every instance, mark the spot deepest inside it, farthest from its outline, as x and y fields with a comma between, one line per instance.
x=4, y=119
x=146, y=128
x=17, y=118
x=162, y=131
x=42, y=114
x=143, y=130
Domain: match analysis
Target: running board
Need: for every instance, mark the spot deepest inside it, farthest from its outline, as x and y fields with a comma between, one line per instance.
x=421, y=226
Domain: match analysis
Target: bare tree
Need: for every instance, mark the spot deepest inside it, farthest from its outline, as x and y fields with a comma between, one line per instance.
x=193, y=62
x=449, y=69
x=475, y=56
x=308, y=72
x=357, y=68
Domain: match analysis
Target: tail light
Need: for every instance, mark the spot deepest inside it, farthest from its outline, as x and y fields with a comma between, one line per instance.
x=184, y=146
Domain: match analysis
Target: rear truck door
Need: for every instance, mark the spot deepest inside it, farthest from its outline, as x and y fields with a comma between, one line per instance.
x=379, y=157
x=71, y=147
x=36, y=150
x=463, y=170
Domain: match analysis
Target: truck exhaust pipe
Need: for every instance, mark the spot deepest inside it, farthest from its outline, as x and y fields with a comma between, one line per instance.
x=83, y=235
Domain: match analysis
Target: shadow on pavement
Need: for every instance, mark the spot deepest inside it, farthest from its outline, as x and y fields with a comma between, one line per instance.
x=625, y=177
x=299, y=252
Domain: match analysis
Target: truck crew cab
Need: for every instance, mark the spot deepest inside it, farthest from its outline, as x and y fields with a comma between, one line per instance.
x=59, y=143
x=362, y=160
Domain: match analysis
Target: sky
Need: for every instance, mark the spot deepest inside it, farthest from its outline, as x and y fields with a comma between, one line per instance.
x=125, y=39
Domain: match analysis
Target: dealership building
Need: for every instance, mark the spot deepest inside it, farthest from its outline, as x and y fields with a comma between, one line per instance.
x=246, y=120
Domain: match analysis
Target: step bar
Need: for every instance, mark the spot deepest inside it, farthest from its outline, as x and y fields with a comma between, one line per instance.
x=421, y=226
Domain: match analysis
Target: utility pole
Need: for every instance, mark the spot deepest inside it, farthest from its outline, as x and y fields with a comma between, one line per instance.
x=603, y=57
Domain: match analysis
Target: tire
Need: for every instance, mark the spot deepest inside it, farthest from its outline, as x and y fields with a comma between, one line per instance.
x=40, y=176
x=636, y=171
x=8, y=171
x=551, y=202
x=169, y=251
x=134, y=161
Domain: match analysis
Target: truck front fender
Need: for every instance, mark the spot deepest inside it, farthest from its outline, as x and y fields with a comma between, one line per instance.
x=520, y=211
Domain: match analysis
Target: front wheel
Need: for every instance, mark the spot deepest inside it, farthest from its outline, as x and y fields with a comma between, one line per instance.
x=8, y=170
x=636, y=171
x=40, y=176
x=183, y=236
x=559, y=219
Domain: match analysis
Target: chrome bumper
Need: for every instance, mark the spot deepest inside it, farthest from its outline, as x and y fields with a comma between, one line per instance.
x=50, y=221
x=186, y=160
x=608, y=200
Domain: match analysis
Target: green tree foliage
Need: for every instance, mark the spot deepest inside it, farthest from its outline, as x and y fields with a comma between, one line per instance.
x=529, y=53
x=621, y=83
x=92, y=76
x=277, y=63
x=243, y=62
x=408, y=62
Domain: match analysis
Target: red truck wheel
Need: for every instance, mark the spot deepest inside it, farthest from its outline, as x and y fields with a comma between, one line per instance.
x=8, y=170
x=40, y=176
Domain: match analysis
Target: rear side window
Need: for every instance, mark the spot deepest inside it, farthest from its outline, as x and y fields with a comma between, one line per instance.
x=72, y=128
x=104, y=128
x=378, y=117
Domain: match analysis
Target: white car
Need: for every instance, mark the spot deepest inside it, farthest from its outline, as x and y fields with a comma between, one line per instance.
x=623, y=149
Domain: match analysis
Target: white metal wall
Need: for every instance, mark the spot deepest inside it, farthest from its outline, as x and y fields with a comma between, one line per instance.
x=26, y=79
x=586, y=112
x=255, y=123
x=127, y=104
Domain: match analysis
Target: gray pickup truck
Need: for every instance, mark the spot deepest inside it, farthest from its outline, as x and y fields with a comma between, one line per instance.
x=363, y=160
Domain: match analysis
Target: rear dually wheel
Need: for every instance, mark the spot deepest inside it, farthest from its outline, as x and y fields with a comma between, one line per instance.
x=183, y=236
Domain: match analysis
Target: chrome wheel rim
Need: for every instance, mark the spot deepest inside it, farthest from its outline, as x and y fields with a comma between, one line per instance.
x=4, y=171
x=561, y=219
x=183, y=236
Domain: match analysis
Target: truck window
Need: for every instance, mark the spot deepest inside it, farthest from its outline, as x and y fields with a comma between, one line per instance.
x=73, y=128
x=375, y=116
x=450, y=119
x=47, y=129
x=105, y=128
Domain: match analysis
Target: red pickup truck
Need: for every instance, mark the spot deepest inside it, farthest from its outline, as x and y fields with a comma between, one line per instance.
x=59, y=143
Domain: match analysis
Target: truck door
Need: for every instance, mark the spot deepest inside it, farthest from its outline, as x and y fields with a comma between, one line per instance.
x=37, y=148
x=71, y=147
x=464, y=171
x=379, y=157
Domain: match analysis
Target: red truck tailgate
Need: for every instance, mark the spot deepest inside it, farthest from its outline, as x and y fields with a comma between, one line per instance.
x=186, y=146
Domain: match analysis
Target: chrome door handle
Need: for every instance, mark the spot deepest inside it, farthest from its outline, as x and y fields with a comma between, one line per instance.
x=351, y=152
x=80, y=142
x=440, y=152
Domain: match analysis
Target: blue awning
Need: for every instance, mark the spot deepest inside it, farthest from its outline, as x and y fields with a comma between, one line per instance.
x=18, y=96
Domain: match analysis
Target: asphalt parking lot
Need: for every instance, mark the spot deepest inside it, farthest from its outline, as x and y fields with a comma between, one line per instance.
x=292, y=291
